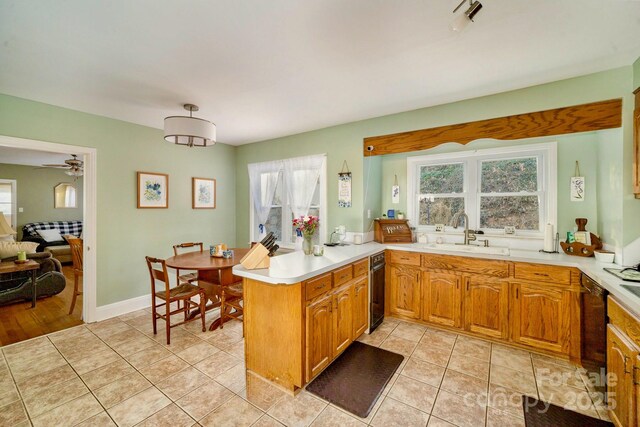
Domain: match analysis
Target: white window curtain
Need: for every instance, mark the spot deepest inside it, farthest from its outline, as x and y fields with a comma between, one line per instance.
x=301, y=175
x=263, y=178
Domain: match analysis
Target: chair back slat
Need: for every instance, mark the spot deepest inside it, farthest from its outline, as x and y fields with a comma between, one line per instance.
x=157, y=274
x=187, y=245
x=76, y=246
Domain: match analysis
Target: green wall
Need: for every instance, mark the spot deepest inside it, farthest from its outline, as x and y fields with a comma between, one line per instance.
x=345, y=142
x=126, y=234
x=35, y=194
x=636, y=74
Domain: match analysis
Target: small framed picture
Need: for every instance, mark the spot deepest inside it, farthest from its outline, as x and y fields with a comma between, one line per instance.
x=203, y=193
x=153, y=190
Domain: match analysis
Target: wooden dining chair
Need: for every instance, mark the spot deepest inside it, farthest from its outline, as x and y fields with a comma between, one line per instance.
x=189, y=277
x=76, y=256
x=183, y=292
x=231, y=296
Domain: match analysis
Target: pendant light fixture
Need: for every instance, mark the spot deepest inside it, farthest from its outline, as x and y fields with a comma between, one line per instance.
x=188, y=130
x=461, y=22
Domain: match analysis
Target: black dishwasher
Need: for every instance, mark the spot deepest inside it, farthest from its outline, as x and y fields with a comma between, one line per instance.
x=594, y=329
x=376, y=296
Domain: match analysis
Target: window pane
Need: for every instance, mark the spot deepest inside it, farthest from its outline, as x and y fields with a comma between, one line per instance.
x=510, y=176
x=315, y=201
x=520, y=211
x=274, y=223
x=439, y=210
x=439, y=179
x=316, y=237
x=277, y=197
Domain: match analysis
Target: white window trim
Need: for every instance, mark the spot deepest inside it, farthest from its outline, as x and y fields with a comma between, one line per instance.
x=322, y=229
x=14, y=201
x=548, y=178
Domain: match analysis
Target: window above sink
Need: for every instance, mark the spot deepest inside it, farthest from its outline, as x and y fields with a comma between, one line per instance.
x=510, y=186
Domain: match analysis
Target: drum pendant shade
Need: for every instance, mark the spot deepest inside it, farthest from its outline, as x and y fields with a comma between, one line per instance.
x=188, y=130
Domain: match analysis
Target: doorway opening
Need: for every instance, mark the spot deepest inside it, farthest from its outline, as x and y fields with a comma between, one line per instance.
x=46, y=198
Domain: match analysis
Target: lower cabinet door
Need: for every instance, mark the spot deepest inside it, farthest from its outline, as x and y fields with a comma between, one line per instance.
x=403, y=291
x=486, y=306
x=441, y=298
x=319, y=336
x=342, y=319
x=360, y=308
x=541, y=316
x=620, y=385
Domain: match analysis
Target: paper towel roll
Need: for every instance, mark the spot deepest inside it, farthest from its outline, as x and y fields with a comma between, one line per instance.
x=548, y=238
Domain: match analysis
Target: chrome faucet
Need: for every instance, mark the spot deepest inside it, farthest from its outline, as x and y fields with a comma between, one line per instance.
x=469, y=235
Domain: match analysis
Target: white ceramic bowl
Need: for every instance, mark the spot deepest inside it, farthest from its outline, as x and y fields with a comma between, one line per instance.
x=604, y=256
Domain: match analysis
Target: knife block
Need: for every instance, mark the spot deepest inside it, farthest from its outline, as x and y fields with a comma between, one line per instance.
x=256, y=258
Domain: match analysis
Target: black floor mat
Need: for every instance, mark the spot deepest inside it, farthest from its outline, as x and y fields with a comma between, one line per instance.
x=536, y=414
x=356, y=379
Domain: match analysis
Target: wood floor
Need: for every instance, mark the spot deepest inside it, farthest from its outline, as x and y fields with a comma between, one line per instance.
x=19, y=321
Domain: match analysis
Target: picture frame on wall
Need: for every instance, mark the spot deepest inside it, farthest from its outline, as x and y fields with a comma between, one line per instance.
x=153, y=190
x=203, y=193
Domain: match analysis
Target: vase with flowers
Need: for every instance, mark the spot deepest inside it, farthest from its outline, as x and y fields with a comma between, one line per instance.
x=306, y=227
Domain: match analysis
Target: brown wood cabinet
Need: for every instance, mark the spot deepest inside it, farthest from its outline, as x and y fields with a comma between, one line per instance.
x=441, y=298
x=319, y=335
x=403, y=285
x=293, y=332
x=487, y=308
x=541, y=316
x=342, y=320
x=360, y=307
x=621, y=390
x=531, y=305
x=623, y=365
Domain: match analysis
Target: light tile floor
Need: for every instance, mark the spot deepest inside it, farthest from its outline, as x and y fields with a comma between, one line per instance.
x=116, y=372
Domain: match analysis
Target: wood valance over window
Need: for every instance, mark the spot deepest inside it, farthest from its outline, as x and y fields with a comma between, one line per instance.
x=559, y=121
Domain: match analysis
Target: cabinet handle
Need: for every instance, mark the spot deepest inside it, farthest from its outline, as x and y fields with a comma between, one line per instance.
x=467, y=285
x=330, y=307
x=636, y=381
x=516, y=293
x=626, y=359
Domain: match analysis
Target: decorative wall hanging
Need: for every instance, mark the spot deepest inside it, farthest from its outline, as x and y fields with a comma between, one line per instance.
x=395, y=191
x=203, y=193
x=153, y=190
x=344, y=187
x=577, y=185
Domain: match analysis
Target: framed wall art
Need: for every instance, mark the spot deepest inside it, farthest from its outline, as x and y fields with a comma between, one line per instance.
x=153, y=190
x=203, y=193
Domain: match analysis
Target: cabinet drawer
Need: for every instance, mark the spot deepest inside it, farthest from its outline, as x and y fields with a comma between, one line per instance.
x=318, y=286
x=360, y=268
x=342, y=275
x=543, y=273
x=482, y=267
x=624, y=320
x=404, y=258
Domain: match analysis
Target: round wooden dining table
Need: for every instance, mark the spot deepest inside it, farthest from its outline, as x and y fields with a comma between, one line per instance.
x=213, y=273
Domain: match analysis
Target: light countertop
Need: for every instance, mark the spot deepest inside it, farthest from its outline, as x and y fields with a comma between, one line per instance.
x=296, y=267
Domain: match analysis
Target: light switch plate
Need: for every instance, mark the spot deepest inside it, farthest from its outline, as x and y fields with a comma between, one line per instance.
x=20, y=210
x=509, y=229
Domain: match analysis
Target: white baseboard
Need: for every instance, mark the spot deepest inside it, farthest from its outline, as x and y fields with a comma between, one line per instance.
x=122, y=307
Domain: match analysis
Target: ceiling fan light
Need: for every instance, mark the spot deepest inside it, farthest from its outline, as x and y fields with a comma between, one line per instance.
x=461, y=21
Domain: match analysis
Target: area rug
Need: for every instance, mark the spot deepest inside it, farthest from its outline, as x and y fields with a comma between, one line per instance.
x=356, y=379
x=542, y=414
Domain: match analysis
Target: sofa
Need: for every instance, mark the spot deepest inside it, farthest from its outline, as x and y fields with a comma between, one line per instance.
x=17, y=286
x=59, y=249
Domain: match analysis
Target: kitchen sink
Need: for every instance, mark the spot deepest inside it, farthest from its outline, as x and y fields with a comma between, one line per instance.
x=473, y=249
x=633, y=289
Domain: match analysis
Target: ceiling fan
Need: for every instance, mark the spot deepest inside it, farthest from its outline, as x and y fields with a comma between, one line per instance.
x=73, y=166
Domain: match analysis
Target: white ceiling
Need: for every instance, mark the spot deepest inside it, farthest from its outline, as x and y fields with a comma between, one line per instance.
x=18, y=156
x=262, y=69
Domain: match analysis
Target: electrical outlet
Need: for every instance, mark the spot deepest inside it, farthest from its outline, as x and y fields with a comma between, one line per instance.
x=20, y=210
x=509, y=229
x=439, y=228
x=368, y=213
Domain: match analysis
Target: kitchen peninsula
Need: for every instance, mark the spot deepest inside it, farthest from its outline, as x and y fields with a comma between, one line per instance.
x=304, y=311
